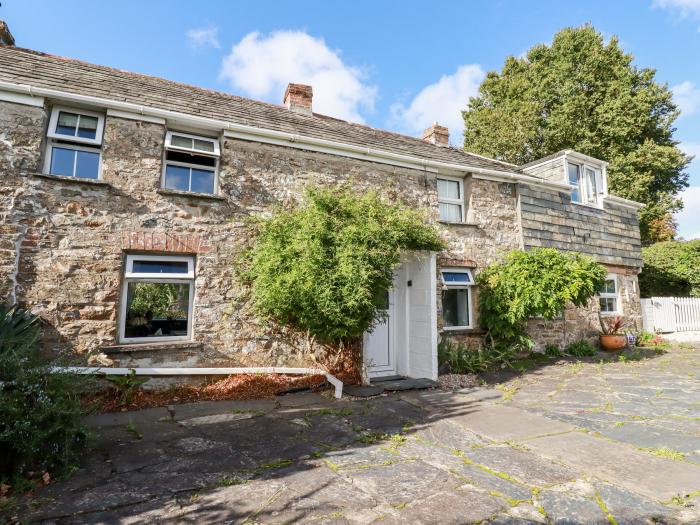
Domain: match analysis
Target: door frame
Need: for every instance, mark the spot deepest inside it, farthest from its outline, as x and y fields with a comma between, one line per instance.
x=392, y=368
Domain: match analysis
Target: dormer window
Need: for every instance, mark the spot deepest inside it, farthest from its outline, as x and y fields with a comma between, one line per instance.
x=587, y=183
x=191, y=163
x=74, y=145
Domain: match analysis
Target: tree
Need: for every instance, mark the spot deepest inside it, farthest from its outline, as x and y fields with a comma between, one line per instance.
x=585, y=94
x=321, y=267
x=671, y=269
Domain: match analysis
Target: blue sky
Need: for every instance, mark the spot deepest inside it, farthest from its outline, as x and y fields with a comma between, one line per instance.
x=391, y=64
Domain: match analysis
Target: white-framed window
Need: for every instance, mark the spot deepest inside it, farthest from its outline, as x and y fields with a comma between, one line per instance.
x=587, y=182
x=191, y=163
x=451, y=199
x=608, y=296
x=157, y=298
x=74, y=145
x=457, y=298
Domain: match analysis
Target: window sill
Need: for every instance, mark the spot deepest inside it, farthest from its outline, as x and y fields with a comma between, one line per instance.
x=449, y=223
x=589, y=206
x=460, y=330
x=127, y=348
x=191, y=194
x=74, y=180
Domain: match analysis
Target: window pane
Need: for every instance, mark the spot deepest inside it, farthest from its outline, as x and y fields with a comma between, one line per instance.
x=455, y=307
x=573, y=174
x=62, y=161
x=157, y=309
x=576, y=196
x=608, y=287
x=141, y=266
x=202, y=181
x=456, y=277
x=204, y=145
x=88, y=127
x=591, y=190
x=450, y=212
x=181, y=142
x=448, y=189
x=88, y=166
x=67, y=123
x=177, y=178
x=190, y=158
x=608, y=304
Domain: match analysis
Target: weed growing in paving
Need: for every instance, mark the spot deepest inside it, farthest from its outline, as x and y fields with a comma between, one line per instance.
x=131, y=428
x=665, y=452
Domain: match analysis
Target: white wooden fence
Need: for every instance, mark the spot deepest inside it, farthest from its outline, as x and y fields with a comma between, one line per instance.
x=671, y=314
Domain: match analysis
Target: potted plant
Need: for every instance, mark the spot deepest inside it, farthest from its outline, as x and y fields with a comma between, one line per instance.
x=612, y=339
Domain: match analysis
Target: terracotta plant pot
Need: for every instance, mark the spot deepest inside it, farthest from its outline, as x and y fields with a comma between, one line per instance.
x=613, y=343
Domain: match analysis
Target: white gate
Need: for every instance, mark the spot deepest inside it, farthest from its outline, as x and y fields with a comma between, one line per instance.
x=671, y=314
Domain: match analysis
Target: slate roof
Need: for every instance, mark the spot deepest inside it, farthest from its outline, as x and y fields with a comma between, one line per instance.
x=25, y=66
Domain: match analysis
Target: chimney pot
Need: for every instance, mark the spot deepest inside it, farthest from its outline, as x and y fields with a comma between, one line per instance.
x=298, y=97
x=6, y=38
x=437, y=134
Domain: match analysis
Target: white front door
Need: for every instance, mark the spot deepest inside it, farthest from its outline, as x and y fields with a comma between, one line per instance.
x=379, y=351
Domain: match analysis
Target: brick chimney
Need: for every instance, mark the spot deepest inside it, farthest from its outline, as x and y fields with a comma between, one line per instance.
x=6, y=38
x=297, y=97
x=437, y=134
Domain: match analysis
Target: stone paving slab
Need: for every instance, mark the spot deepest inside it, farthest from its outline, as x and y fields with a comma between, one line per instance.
x=619, y=464
x=472, y=456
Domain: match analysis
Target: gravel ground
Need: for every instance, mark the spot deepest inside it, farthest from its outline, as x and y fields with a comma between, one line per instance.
x=458, y=381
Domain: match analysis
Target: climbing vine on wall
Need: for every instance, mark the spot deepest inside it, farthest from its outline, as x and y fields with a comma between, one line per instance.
x=321, y=266
x=538, y=282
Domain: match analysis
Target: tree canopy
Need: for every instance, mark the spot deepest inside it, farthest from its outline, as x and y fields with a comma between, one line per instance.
x=584, y=93
x=671, y=269
x=323, y=267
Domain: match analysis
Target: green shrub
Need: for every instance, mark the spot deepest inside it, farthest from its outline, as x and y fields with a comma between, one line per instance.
x=323, y=267
x=552, y=350
x=671, y=269
x=581, y=348
x=464, y=360
x=538, y=282
x=40, y=427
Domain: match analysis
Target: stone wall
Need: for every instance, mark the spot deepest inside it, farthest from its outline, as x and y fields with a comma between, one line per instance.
x=583, y=323
x=63, y=241
x=550, y=219
x=74, y=234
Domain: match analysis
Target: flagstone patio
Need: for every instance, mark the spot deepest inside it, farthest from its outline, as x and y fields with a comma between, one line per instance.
x=569, y=443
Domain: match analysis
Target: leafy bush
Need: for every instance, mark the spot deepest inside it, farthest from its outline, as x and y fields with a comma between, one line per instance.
x=539, y=282
x=552, y=350
x=649, y=339
x=671, y=269
x=464, y=360
x=323, y=267
x=40, y=427
x=581, y=348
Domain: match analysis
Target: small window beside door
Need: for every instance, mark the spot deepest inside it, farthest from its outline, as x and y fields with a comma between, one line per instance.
x=451, y=199
x=587, y=184
x=191, y=163
x=457, y=298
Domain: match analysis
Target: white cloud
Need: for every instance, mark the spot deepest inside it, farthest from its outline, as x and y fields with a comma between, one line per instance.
x=203, y=37
x=687, y=97
x=262, y=65
x=681, y=8
x=689, y=218
x=440, y=102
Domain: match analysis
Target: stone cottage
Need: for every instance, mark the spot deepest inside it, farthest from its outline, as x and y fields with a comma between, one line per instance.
x=124, y=202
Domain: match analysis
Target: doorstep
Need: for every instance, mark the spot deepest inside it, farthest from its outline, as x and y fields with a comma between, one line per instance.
x=389, y=384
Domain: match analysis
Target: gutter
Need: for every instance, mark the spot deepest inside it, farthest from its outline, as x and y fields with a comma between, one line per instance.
x=106, y=371
x=251, y=133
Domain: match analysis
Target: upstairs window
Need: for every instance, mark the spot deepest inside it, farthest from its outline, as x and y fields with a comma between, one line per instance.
x=451, y=199
x=191, y=163
x=74, y=145
x=587, y=183
x=457, y=298
x=608, y=296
